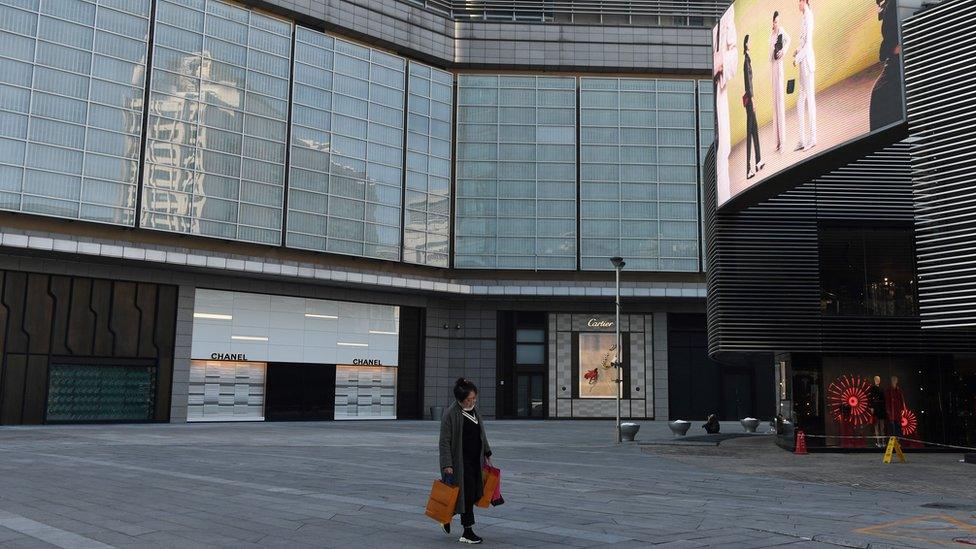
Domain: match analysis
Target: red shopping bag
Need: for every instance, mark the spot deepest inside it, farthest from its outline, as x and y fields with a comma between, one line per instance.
x=496, y=494
x=490, y=478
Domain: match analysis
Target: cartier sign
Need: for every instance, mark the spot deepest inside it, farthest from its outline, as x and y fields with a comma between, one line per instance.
x=597, y=323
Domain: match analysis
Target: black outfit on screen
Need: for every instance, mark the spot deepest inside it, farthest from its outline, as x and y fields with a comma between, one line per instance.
x=471, y=454
x=886, y=97
x=752, y=126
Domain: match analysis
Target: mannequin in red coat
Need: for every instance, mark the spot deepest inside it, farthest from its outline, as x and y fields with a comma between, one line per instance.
x=896, y=405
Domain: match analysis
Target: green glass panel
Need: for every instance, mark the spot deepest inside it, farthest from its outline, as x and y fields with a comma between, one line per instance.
x=82, y=393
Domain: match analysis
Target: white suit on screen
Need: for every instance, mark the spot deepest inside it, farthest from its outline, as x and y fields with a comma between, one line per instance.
x=806, y=104
x=726, y=53
x=779, y=91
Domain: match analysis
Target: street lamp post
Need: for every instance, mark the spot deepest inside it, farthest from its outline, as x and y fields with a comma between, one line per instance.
x=618, y=265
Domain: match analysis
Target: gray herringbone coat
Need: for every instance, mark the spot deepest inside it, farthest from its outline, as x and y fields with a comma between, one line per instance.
x=450, y=448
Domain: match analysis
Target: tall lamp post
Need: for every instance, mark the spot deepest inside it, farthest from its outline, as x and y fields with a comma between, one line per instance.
x=618, y=265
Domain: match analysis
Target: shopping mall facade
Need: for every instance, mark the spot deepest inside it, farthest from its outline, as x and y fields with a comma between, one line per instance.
x=286, y=209
x=857, y=276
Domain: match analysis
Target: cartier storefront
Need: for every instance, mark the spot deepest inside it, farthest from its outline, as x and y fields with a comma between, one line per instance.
x=583, y=348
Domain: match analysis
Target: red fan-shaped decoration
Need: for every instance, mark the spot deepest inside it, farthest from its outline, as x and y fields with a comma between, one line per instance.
x=848, y=400
x=909, y=422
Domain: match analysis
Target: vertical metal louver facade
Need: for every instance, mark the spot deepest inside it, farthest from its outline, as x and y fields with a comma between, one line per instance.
x=939, y=44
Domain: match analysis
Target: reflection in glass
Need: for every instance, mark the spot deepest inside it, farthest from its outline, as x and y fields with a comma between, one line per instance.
x=81, y=78
x=638, y=181
x=347, y=148
x=216, y=141
x=867, y=271
x=516, y=170
x=426, y=230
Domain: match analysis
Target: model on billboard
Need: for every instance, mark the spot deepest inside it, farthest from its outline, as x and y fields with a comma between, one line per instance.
x=724, y=63
x=779, y=43
x=752, y=126
x=817, y=75
x=886, y=95
x=805, y=59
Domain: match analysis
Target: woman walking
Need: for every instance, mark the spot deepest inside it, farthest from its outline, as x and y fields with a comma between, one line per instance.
x=463, y=452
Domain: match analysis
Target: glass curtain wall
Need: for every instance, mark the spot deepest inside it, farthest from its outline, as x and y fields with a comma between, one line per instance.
x=427, y=221
x=72, y=81
x=346, y=174
x=516, y=172
x=218, y=109
x=638, y=174
x=706, y=135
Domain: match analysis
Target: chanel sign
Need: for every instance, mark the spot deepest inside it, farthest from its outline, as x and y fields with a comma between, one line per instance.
x=228, y=356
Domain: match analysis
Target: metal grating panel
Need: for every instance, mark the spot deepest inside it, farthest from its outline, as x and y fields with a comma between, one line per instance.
x=940, y=90
x=697, y=13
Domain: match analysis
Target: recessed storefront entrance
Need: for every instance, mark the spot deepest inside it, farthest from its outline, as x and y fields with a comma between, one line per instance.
x=530, y=400
x=297, y=392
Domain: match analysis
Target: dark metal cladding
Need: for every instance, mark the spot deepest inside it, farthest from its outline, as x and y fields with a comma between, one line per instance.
x=764, y=265
x=939, y=44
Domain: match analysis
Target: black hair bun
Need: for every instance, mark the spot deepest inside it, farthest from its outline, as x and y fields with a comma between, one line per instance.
x=462, y=388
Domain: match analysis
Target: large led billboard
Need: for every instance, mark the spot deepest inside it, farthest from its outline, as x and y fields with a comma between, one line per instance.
x=797, y=78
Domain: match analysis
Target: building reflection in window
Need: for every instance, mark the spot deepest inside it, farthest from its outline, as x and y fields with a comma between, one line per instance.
x=867, y=271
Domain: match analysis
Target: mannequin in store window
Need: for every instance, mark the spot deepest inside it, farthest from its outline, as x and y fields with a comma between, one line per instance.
x=896, y=405
x=879, y=413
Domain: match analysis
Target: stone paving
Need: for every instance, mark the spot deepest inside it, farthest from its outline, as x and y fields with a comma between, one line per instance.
x=364, y=485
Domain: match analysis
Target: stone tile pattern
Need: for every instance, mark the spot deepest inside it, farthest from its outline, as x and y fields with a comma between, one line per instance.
x=659, y=345
x=466, y=348
x=181, y=353
x=342, y=484
x=415, y=31
x=642, y=361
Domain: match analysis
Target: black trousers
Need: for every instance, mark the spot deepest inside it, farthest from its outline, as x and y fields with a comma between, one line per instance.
x=472, y=481
x=467, y=517
x=752, y=136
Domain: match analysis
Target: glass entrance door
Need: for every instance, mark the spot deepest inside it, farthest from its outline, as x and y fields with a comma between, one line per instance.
x=530, y=401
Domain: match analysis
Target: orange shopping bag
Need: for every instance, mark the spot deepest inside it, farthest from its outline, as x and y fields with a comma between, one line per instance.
x=490, y=477
x=442, y=500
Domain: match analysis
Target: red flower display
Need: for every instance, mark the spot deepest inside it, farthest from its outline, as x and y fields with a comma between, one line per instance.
x=848, y=400
x=909, y=422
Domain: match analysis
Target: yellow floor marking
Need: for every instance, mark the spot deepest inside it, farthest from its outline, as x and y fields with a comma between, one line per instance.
x=944, y=534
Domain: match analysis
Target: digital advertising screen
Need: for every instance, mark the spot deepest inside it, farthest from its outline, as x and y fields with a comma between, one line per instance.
x=797, y=78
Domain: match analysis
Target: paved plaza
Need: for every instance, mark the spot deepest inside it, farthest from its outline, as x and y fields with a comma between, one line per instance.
x=364, y=485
